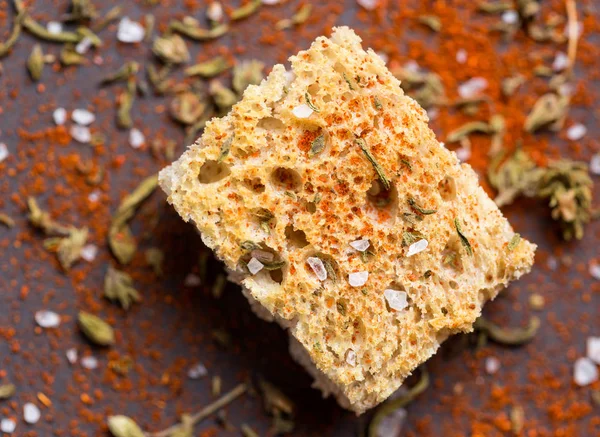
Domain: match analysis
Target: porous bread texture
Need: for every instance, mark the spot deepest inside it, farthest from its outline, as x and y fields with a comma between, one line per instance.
x=269, y=167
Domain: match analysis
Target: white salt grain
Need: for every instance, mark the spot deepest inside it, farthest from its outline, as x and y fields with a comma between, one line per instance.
x=84, y=45
x=136, y=138
x=255, y=266
x=47, y=319
x=60, y=116
x=89, y=252
x=214, y=12
x=81, y=134
x=358, y=279
x=270, y=2
x=595, y=270
x=360, y=245
x=54, y=27
x=463, y=154
x=461, y=56
x=318, y=267
x=83, y=117
x=8, y=426
x=585, y=372
x=72, y=355
x=472, y=87
x=595, y=164
x=191, y=280
x=392, y=424
x=369, y=5
x=302, y=111
x=383, y=56
x=510, y=17
x=593, y=349
x=31, y=413
x=94, y=196
x=351, y=357
x=89, y=362
x=576, y=132
x=3, y=152
x=397, y=300
x=552, y=263
x=561, y=61
x=197, y=371
x=492, y=365
x=130, y=31
x=417, y=247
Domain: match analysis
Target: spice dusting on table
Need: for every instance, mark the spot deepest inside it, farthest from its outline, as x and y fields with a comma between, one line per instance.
x=114, y=315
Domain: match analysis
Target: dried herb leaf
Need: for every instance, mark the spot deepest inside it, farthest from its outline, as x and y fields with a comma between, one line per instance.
x=42, y=220
x=276, y=265
x=81, y=10
x=390, y=407
x=128, y=69
x=191, y=30
x=68, y=249
x=274, y=400
x=463, y=239
x=425, y=87
x=225, y=148
x=35, y=62
x=300, y=17
x=382, y=177
x=309, y=102
x=331, y=273
x=171, y=49
x=68, y=56
x=7, y=391
x=508, y=336
x=155, y=258
x=7, y=45
x=218, y=286
x=245, y=11
x=250, y=245
x=223, y=97
x=118, y=286
x=317, y=145
x=495, y=7
x=123, y=426
x=247, y=431
x=409, y=238
x=247, y=73
x=120, y=239
x=187, y=107
x=110, y=16
x=511, y=84
x=95, y=329
x=6, y=220
x=467, y=129
x=517, y=419
x=414, y=205
x=125, y=103
x=377, y=104
x=550, y=109
x=514, y=242
x=431, y=21
x=209, y=68
x=517, y=175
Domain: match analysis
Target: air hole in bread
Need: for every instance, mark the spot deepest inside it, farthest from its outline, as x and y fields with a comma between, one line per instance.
x=313, y=89
x=327, y=98
x=271, y=123
x=296, y=238
x=501, y=272
x=311, y=207
x=254, y=184
x=213, y=171
x=447, y=188
x=451, y=255
x=453, y=285
x=383, y=200
x=276, y=275
x=286, y=179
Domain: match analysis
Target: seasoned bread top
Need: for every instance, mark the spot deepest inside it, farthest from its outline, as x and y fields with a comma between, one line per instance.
x=316, y=158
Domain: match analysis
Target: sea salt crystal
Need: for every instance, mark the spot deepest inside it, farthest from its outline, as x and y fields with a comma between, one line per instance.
x=351, y=357
x=461, y=56
x=576, y=132
x=60, y=116
x=383, y=56
x=81, y=134
x=89, y=252
x=392, y=424
x=214, y=12
x=579, y=29
x=197, y=371
x=8, y=426
x=89, y=362
x=417, y=247
x=191, y=280
x=130, y=31
x=72, y=355
x=136, y=138
x=472, y=88
x=360, y=245
x=358, y=279
x=318, y=267
x=3, y=152
x=595, y=270
x=463, y=153
x=492, y=365
x=593, y=349
x=595, y=164
x=84, y=45
x=585, y=372
x=552, y=263
x=302, y=111
x=270, y=2
x=369, y=5
x=255, y=266
x=561, y=61
x=54, y=27
x=94, y=196
x=47, y=319
x=412, y=66
x=510, y=17
x=31, y=413
x=396, y=299
x=433, y=113
x=83, y=117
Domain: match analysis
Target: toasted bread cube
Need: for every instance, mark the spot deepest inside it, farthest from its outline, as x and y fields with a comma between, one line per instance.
x=331, y=202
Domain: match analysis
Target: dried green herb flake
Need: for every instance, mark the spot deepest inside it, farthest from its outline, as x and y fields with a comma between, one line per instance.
x=95, y=329
x=463, y=239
